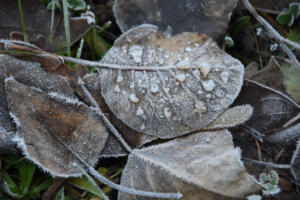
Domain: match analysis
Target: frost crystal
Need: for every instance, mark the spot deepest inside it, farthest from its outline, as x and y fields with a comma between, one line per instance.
x=225, y=76
x=154, y=88
x=139, y=111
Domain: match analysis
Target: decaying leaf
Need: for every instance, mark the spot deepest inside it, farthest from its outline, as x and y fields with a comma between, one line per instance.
x=295, y=164
x=203, y=165
x=45, y=119
x=30, y=74
x=250, y=70
x=272, y=109
x=176, y=16
x=38, y=23
x=168, y=87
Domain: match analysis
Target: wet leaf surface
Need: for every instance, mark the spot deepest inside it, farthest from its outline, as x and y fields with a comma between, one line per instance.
x=43, y=120
x=178, y=85
x=203, y=165
x=209, y=17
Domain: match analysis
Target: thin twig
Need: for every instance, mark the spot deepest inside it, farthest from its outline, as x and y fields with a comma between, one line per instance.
x=290, y=122
x=102, y=115
x=113, y=185
x=272, y=30
x=274, y=165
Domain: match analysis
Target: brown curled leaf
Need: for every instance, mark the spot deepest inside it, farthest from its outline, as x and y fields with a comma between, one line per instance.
x=168, y=87
x=204, y=165
x=45, y=119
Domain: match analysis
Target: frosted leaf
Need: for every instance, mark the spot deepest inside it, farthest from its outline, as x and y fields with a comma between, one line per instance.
x=184, y=94
x=176, y=16
x=45, y=121
x=31, y=74
x=231, y=117
x=203, y=165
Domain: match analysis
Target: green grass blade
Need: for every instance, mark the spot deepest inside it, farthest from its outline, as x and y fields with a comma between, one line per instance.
x=92, y=185
x=67, y=26
x=26, y=171
x=22, y=21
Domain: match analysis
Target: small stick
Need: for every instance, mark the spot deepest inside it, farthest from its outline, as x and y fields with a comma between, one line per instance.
x=274, y=165
x=272, y=30
x=290, y=122
x=105, y=119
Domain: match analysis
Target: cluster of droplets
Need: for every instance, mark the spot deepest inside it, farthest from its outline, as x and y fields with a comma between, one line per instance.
x=210, y=79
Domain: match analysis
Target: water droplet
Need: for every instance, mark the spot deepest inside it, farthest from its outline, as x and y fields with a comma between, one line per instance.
x=133, y=98
x=124, y=49
x=225, y=76
x=117, y=89
x=180, y=77
x=154, y=88
x=161, y=101
x=167, y=112
x=136, y=52
x=188, y=49
x=200, y=92
x=120, y=78
x=196, y=73
x=139, y=111
x=220, y=92
x=208, y=85
x=142, y=127
x=205, y=68
x=200, y=106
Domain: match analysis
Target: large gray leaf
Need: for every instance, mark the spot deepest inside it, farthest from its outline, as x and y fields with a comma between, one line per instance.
x=168, y=86
x=204, y=165
x=176, y=16
x=46, y=120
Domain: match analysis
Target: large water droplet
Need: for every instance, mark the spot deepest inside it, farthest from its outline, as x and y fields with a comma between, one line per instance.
x=208, y=85
x=136, y=52
x=180, y=77
x=225, y=76
x=154, y=88
x=133, y=98
x=119, y=78
x=117, y=89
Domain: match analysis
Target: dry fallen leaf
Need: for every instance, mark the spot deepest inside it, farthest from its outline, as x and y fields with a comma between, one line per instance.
x=202, y=165
x=176, y=16
x=44, y=120
x=30, y=74
x=272, y=109
x=168, y=87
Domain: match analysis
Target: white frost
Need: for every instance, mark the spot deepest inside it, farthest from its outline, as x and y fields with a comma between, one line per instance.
x=136, y=52
x=154, y=88
x=208, y=85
